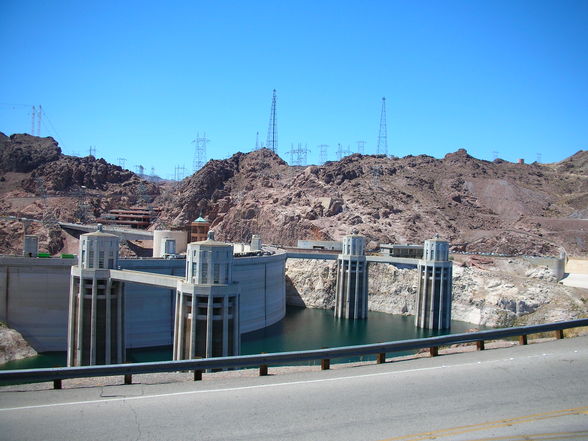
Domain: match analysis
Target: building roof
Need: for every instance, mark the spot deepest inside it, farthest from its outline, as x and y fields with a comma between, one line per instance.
x=99, y=233
x=200, y=220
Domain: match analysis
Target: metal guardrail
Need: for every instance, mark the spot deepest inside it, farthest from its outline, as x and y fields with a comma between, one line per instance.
x=264, y=360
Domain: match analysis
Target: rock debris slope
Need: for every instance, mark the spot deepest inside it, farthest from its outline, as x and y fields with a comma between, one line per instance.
x=477, y=205
x=37, y=181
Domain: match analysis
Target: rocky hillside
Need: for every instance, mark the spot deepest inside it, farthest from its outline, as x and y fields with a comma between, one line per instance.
x=477, y=205
x=37, y=181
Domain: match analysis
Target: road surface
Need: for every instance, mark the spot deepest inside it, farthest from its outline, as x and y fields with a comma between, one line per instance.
x=534, y=392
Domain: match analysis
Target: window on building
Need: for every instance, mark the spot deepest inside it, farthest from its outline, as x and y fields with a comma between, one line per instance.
x=100, y=259
x=204, y=278
x=216, y=275
x=91, y=259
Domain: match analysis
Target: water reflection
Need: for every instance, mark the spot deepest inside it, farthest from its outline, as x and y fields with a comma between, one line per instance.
x=301, y=329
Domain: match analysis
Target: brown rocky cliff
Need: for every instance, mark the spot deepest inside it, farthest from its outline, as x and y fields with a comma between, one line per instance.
x=478, y=205
x=39, y=182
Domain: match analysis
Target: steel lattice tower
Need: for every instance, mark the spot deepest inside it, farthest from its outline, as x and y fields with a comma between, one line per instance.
x=199, y=152
x=323, y=153
x=272, y=131
x=39, y=119
x=33, y=114
x=360, y=147
x=383, y=135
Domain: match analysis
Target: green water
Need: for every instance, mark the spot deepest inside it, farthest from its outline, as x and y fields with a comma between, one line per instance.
x=301, y=329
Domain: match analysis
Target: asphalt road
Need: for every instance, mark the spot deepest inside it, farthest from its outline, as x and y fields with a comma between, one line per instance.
x=534, y=392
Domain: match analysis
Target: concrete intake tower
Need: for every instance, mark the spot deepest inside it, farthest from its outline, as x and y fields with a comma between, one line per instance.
x=433, y=308
x=351, y=298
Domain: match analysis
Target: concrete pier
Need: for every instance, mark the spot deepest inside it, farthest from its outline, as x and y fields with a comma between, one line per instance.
x=206, y=320
x=95, y=319
x=433, y=309
x=351, y=298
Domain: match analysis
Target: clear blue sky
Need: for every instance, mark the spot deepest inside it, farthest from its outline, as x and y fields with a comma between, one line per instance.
x=139, y=79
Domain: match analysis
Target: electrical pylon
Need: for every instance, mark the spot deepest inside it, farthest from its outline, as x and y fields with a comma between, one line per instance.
x=272, y=131
x=323, y=154
x=383, y=135
x=199, y=152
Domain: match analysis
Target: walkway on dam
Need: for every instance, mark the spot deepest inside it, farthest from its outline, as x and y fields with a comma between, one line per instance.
x=123, y=233
x=300, y=253
x=512, y=393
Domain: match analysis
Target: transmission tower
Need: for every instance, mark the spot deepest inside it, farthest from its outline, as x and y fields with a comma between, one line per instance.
x=538, y=157
x=383, y=135
x=298, y=155
x=272, y=131
x=494, y=154
x=323, y=153
x=360, y=147
x=140, y=170
x=179, y=172
x=342, y=151
x=122, y=162
x=33, y=114
x=39, y=118
x=92, y=150
x=199, y=151
x=257, y=147
x=152, y=172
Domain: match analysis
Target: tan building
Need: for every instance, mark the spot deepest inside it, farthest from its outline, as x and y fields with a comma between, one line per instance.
x=199, y=230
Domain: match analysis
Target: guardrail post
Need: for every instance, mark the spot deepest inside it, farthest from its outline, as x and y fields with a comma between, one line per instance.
x=480, y=345
x=325, y=364
x=434, y=351
x=56, y=384
x=197, y=374
x=381, y=358
x=559, y=334
x=522, y=339
x=262, y=369
x=128, y=378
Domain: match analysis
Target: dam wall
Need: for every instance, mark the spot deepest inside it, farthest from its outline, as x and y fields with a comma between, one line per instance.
x=34, y=296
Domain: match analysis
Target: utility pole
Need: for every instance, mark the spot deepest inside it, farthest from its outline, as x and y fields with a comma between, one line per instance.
x=383, y=135
x=272, y=131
